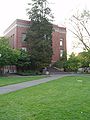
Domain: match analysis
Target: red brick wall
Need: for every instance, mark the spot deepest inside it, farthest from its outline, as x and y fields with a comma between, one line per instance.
x=55, y=46
x=15, y=35
x=19, y=43
x=59, y=33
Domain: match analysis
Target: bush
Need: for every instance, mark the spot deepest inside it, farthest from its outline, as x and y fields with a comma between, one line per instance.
x=59, y=64
x=84, y=58
x=28, y=72
x=72, y=64
x=23, y=61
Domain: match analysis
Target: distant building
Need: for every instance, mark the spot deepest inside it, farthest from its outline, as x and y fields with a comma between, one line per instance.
x=17, y=33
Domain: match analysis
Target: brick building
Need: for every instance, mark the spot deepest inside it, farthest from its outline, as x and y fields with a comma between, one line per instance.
x=17, y=33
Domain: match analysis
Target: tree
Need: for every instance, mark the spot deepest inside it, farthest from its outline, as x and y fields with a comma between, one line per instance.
x=39, y=37
x=23, y=62
x=8, y=55
x=80, y=23
x=84, y=58
x=72, y=64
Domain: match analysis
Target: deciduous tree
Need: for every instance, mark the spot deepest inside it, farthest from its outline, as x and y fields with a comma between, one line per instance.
x=80, y=27
x=8, y=56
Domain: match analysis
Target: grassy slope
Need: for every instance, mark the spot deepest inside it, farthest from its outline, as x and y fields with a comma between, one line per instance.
x=64, y=99
x=12, y=80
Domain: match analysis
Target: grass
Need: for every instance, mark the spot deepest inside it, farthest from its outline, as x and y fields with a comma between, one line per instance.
x=13, y=80
x=67, y=98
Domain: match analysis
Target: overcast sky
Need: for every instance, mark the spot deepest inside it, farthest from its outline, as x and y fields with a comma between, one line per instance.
x=16, y=9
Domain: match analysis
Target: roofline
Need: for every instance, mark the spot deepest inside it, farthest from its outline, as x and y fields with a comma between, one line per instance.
x=15, y=22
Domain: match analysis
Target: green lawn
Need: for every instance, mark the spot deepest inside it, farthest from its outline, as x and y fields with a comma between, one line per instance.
x=67, y=98
x=12, y=80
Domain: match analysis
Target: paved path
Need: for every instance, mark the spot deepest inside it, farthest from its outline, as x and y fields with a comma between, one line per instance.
x=14, y=87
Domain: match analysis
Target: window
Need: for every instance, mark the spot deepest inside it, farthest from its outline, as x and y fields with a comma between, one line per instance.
x=23, y=37
x=61, y=53
x=12, y=41
x=24, y=48
x=61, y=43
x=61, y=39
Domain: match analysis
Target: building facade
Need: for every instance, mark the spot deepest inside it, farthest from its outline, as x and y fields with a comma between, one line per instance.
x=16, y=32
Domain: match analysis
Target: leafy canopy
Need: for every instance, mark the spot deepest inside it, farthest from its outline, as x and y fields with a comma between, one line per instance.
x=39, y=36
x=8, y=55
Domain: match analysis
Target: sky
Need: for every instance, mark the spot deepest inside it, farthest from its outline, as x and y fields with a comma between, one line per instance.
x=62, y=9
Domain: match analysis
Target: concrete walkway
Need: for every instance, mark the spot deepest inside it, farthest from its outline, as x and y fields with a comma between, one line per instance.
x=14, y=87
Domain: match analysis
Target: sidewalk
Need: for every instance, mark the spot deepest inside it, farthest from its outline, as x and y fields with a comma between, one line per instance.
x=15, y=87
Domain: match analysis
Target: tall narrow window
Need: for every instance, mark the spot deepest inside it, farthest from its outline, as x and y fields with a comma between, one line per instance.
x=12, y=41
x=23, y=37
x=61, y=53
x=61, y=41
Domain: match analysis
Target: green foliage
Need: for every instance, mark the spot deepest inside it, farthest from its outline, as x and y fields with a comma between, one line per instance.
x=38, y=10
x=72, y=64
x=84, y=58
x=64, y=56
x=39, y=37
x=61, y=63
x=8, y=55
x=23, y=62
x=29, y=72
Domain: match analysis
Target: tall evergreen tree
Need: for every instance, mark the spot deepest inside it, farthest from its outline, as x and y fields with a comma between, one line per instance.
x=39, y=36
